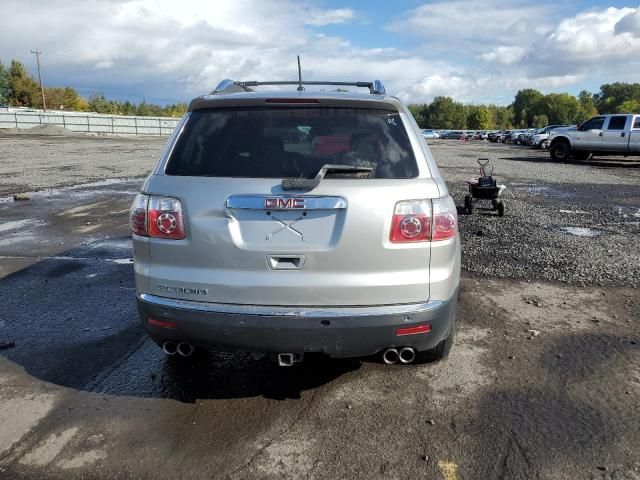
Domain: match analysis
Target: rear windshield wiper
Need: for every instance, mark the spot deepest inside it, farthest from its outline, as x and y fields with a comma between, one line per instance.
x=310, y=183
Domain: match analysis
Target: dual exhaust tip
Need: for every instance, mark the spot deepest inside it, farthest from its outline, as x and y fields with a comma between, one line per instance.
x=183, y=349
x=390, y=356
x=403, y=355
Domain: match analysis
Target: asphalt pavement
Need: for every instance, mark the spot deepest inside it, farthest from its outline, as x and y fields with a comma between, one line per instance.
x=543, y=381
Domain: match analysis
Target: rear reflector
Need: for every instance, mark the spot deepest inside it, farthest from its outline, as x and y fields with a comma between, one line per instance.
x=161, y=323
x=426, y=328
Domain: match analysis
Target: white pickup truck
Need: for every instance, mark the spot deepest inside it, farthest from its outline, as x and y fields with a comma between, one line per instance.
x=602, y=135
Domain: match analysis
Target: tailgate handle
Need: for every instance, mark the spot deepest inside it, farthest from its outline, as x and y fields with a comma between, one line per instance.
x=285, y=262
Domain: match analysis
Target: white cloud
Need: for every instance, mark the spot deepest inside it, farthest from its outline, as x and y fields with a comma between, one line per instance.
x=168, y=51
x=480, y=25
x=328, y=17
x=430, y=86
x=595, y=42
x=504, y=55
x=630, y=23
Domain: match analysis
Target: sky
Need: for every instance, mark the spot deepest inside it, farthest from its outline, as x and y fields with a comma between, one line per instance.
x=167, y=51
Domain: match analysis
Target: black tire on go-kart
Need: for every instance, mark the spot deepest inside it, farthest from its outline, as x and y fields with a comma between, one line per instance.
x=500, y=208
x=468, y=204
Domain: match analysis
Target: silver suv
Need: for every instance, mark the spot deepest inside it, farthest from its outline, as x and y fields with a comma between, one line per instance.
x=296, y=221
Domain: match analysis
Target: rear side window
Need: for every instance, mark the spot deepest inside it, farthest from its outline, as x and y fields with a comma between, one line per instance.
x=617, y=123
x=292, y=143
x=636, y=123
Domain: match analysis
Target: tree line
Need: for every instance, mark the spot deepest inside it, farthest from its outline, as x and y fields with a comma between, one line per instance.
x=530, y=109
x=19, y=89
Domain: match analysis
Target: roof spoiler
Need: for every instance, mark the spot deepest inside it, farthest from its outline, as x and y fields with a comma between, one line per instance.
x=231, y=86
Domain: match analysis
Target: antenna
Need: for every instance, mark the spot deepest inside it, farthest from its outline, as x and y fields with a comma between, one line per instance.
x=300, y=87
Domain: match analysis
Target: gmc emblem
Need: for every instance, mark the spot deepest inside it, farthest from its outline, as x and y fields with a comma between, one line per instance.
x=283, y=203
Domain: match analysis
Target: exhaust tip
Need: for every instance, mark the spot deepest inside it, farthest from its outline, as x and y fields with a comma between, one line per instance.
x=285, y=359
x=390, y=356
x=170, y=348
x=407, y=355
x=185, y=349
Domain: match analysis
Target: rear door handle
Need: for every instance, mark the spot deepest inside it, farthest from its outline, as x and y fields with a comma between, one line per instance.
x=285, y=262
x=622, y=134
x=600, y=134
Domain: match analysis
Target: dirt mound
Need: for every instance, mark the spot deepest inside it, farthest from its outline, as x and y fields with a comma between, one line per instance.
x=45, y=130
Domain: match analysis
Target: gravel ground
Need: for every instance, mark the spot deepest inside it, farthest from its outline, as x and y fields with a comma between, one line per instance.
x=543, y=381
x=572, y=223
x=33, y=162
x=554, y=211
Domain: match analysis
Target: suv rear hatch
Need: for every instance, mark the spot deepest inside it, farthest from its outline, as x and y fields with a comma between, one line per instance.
x=250, y=239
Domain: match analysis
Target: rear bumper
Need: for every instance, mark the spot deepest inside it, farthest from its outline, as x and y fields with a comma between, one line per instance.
x=337, y=332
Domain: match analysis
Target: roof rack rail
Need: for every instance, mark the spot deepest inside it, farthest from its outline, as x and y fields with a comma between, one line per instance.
x=231, y=86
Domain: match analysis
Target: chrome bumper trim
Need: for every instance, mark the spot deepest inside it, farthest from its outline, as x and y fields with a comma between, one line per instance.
x=279, y=311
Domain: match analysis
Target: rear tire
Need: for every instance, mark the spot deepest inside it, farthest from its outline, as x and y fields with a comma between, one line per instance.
x=560, y=151
x=500, y=208
x=468, y=204
x=440, y=351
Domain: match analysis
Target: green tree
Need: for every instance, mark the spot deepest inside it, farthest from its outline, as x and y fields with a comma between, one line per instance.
x=587, y=106
x=629, y=106
x=445, y=113
x=4, y=84
x=418, y=112
x=613, y=95
x=540, y=121
x=176, y=110
x=526, y=105
x=561, y=108
x=479, y=118
x=23, y=89
x=504, y=116
x=63, y=98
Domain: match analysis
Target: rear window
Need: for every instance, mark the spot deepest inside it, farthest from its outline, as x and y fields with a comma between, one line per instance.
x=292, y=143
x=617, y=123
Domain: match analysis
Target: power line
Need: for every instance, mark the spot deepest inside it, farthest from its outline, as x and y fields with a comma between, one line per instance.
x=38, y=53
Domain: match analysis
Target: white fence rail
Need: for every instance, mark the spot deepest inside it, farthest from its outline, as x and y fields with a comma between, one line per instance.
x=91, y=122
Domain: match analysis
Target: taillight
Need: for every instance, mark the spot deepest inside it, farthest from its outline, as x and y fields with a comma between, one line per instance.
x=138, y=216
x=411, y=222
x=159, y=217
x=445, y=219
x=424, y=220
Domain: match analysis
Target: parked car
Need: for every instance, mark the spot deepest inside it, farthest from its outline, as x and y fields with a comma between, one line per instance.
x=451, y=134
x=512, y=136
x=430, y=134
x=539, y=138
x=617, y=134
x=256, y=230
x=497, y=136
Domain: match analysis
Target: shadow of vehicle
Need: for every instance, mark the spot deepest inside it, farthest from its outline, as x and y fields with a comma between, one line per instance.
x=74, y=323
x=632, y=162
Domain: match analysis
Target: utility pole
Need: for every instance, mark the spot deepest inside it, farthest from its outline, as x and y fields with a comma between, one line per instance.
x=38, y=53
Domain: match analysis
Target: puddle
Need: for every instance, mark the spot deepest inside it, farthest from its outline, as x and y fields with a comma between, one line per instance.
x=544, y=190
x=580, y=231
x=84, y=189
x=628, y=212
x=574, y=212
x=17, y=224
x=122, y=261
